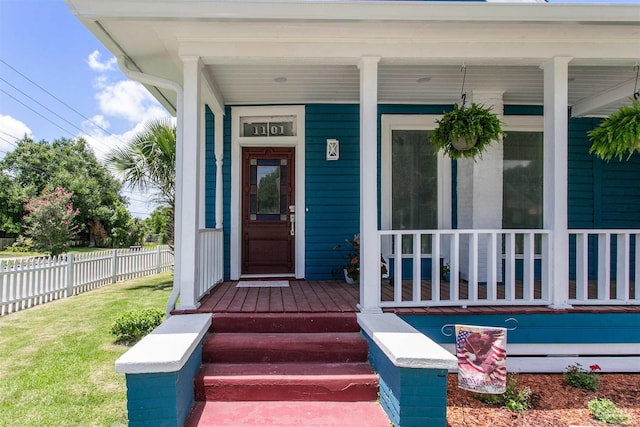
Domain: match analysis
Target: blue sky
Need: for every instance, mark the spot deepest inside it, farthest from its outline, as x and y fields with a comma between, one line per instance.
x=42, y=42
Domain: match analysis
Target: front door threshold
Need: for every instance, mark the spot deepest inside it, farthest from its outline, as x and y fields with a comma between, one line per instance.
x=267, y=276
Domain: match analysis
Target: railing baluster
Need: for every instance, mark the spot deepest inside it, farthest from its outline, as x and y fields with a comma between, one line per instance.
x=622, y=266
x=510, y=266
x=473, y=267
x=492, y=268
x=528, y=271
x=604, y=266
x=397, y=277
x=582, y=266
x=454, y=267
x=435, y=268
x=417, y=269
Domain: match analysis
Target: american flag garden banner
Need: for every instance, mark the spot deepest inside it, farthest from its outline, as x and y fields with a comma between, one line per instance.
x=482, y=358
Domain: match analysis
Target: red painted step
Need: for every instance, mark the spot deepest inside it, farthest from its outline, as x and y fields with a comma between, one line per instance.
x=285, y=347
x=287, y=414
x=284, y=322
x=346, y=382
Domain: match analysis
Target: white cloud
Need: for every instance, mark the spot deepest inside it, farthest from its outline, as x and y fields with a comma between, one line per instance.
x=128, y=100
x=11, y=130
x=96, y=125
x=96, y=65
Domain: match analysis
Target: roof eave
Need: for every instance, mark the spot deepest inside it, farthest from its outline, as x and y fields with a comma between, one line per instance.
x=342, y=10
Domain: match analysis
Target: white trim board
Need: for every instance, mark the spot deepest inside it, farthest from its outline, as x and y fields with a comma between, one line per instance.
x=554, y=358
x=237, y=143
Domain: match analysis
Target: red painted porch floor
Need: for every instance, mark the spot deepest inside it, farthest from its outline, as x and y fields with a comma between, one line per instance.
x=336, y=296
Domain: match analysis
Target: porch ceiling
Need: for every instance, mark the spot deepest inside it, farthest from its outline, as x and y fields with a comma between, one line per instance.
x=405, y=83
x=245, y=48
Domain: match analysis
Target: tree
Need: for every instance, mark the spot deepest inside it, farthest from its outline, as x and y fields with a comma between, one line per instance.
x=50, y=220
x=69, y=164
x=148, y=162
x=11, y=206
x=157, y=225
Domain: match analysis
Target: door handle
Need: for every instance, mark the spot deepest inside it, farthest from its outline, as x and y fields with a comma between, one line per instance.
x=292, y=219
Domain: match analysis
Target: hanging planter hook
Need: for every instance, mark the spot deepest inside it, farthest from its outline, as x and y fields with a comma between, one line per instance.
x=636, y=92
x=463, y=95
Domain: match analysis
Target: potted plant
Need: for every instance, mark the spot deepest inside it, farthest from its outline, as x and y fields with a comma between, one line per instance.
x=445, y=272
x=618, y=134
x=467, y=131
x=351, y=268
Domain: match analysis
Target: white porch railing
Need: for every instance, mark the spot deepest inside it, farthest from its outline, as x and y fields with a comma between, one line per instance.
x=606, y=267
x=211, y=260
x=487, y=267
x=31, y=281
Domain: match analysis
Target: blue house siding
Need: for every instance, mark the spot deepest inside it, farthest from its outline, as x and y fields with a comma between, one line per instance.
x=332, y=187
x=601, y=194
x=411, y=397
x=162, y=399
x=210, y=170
x=210, y=180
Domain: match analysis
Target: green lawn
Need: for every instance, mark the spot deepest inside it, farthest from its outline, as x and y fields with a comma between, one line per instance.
x=57, y=359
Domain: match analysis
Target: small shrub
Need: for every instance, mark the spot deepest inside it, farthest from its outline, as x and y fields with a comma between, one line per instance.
x=578, y=377
x=606, y=411
x=514, y=399
x=135, y=324
x=21, y=245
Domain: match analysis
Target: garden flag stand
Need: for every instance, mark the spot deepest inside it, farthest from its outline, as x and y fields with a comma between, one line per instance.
x=482, y=358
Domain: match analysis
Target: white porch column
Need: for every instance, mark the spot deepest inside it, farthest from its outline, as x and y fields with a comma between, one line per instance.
x=480, y=191
x=556, y=130
x=369, y=244
x=219, y=154
x=187, y=186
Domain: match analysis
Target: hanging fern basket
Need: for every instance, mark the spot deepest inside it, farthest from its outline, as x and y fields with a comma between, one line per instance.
x=467, y=131
x=618, y=135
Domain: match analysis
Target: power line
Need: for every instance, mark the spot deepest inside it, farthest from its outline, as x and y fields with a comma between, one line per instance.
x=57, y=99
x=7, y=141
x=101, y=145
x=50, y=121
x=43, y=106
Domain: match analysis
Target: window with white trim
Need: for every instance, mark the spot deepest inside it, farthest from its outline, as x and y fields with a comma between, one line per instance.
x=522, y=179
x=416, y=180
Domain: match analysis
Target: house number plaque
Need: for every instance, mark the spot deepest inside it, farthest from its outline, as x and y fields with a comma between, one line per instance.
x=262, y=129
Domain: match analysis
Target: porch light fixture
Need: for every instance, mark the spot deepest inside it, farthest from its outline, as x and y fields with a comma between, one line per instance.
x=333, y=149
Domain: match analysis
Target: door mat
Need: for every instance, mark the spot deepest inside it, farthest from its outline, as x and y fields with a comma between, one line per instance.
x=263, y=284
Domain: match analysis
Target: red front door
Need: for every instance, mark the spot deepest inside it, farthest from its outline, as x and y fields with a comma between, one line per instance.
x=268, y=211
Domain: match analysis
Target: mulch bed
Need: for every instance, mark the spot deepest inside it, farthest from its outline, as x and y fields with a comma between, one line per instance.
x=554, y=403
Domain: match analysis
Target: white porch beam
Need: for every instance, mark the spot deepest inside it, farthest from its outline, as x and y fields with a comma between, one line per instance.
x=555, y=216
x=471, y=51
x=616, y=95
x=369, y=243
x=213, y=94
x=188, y=183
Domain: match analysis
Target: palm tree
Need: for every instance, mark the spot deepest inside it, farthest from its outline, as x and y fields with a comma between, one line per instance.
x=148, y=162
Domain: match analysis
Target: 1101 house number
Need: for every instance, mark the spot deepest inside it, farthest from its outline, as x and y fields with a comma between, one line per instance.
x=268, y=129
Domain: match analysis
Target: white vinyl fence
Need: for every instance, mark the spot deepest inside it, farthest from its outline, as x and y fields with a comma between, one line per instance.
x=31, y=281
